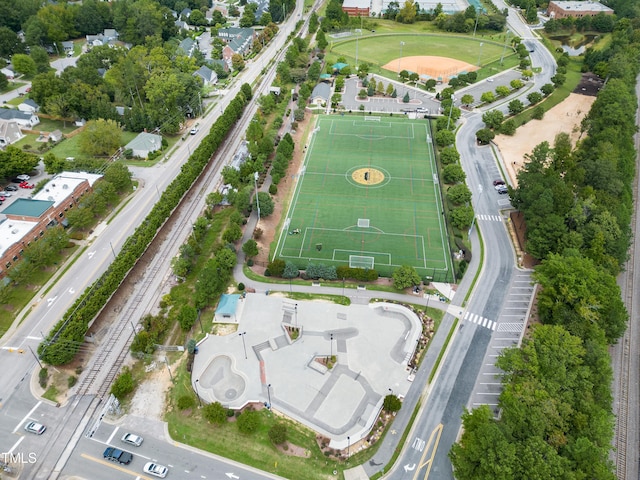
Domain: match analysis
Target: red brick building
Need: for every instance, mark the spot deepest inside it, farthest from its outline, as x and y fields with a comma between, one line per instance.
x=26, y=219
x=559, y=9
x=357, y=8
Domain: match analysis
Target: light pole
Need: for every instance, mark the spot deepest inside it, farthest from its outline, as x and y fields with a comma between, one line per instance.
x=296, y=310
x=476, y=25
x=504, y=49
x=331, y=347
x=453, y=100
x=391, y=390
x=269, y=395
x=400, y=57
x=348, y=447
x=255, y=181
x=480, y=53
x=195, y=384
x=244, y=345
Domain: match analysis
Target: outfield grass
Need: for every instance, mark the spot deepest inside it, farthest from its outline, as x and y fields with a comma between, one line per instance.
x=401, y=202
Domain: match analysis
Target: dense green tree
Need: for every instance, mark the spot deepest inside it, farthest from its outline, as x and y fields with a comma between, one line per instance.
x=215, y=413
x=248, y=422
x=405, y=276
x=187, y=316
x=24, y=64
x=453, y=173
x=515, y=107
x=449, y=155
x=459, y=194
x=278, y=433
x=493, y=119
x=250, y=248
x=9, y=43
x=100, y=138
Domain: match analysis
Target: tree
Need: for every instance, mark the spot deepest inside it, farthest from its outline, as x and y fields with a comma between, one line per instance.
x=405, y=277
x=407, y=13
x=461, y=217
x=538, y=113
x=509, y=127
x=118, y=175
x=276, y=267
x=248, y=422
x=41, y=59
x=516, y=84
x=406, y=98
x=453, y=173
x=515, y=107
x=250, y=248
x=391, y=403
x=444, y=138
x=266, y=204
x=459, y=194
x=10, y=43
x=449, y=155
x=237, y=62
x=24, y=64
x=467, y=99
x=321, y=40
x=59, y=106
x=215, y=413
x=485, y=135
x=53, y=164
x=547, y=89
x=534, y=97
x=187, y=317
x=100, y=138
x=278, y=433
x=493, y=119
x=290, y=270
x=502, y=91
x=487, y=97
x=4, y=81
x=232, y=234
x=123, y=384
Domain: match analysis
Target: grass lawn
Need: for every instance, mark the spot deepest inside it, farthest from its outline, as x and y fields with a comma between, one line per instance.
x=49, y=125
x=13, y=86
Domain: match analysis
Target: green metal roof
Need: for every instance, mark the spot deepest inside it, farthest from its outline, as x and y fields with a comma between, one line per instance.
x=28, y=207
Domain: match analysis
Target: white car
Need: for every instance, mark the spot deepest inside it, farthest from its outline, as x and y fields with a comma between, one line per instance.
x=23, y=178
x=156, y=470
x=5, y=194
x=194, y=130
x=34, y=427
x=489, y=79
x=132, y=439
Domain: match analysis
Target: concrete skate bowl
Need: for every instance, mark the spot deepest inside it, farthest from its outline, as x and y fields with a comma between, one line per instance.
x=221, y=378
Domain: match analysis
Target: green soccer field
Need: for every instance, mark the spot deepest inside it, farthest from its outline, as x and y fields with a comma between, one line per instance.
x=367, y=196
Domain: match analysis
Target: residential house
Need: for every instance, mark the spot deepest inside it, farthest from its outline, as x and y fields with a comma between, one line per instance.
x=67, y=46
x=144, y=144
x=55, y=136
x=239, y=40
x=187, y=46
x=208, y=76
x=8, y=72
x=263, y=6
x=24, y=119
x=108, y=37
x=9, y=133
x=29, y=106
x=321, y=94
x=185, y=13
x=181, y=25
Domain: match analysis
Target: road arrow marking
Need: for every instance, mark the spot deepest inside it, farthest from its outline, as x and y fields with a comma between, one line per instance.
x=72, y=291
x=409, y=468
x=91, y=254
x=51, y=300
x=231, y=475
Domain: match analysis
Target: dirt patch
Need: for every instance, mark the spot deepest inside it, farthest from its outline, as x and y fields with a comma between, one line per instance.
x=438, y=68
x=565, y=117
x=149, y=401
x=292, y=450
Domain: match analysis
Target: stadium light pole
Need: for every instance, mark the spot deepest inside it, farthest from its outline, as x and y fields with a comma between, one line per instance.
x=480, y=53
x=400, y=57
x=255, y=181
x=504, y=49
x=269, y=395
x=244, y=345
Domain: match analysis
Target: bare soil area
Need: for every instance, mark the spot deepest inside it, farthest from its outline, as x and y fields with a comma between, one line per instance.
x=150, y=397
x=438, y=68
x=565, y=117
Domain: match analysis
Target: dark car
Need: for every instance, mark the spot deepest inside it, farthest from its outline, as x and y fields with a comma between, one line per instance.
x=498, y=182
x=503, y=190
x=116, y=455
x=11, y=188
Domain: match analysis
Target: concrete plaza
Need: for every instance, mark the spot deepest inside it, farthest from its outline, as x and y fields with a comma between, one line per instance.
x=260, y=362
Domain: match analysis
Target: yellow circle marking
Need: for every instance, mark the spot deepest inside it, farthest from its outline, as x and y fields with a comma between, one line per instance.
x=368, y=176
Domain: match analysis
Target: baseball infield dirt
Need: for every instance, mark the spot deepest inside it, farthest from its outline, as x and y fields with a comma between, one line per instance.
x=438, y=68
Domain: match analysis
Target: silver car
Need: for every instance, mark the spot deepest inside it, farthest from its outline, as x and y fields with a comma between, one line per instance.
x=33, y=427
x=156, y=470
x=132, y=439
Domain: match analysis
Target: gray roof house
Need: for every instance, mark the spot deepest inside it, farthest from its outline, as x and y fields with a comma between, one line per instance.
x=9, y=133
x=187, y=46
x=208, y=76
x=8, y=72
x=181, y=24
x=29, y=106
x=67, y=46
x=185, y=13
x=321, y=93
x=108, y=37
x=239, y=40
x=24, y=119
x=144, y=144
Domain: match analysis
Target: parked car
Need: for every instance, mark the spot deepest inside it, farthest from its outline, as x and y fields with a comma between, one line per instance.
x=498, y=182
x=23, y=177
x=4, y=193
x=422, y=110
x=155, y=469
x=26, y=185
x=11, y=188
x=503, y=189
x=2, y=199
x=132, y=439
x=34, y=427
x=115, y=455
x=194, y=130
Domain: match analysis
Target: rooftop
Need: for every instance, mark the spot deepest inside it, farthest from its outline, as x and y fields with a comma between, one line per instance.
x=27, y=207
x=583, y=6
x=12, y=231
x=62, y=185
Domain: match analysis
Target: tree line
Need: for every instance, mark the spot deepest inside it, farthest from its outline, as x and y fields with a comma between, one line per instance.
x=556, y=406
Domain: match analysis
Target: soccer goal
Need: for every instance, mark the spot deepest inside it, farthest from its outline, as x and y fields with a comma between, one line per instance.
x=358, y=261
x=371, y=119
x=363, y=222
